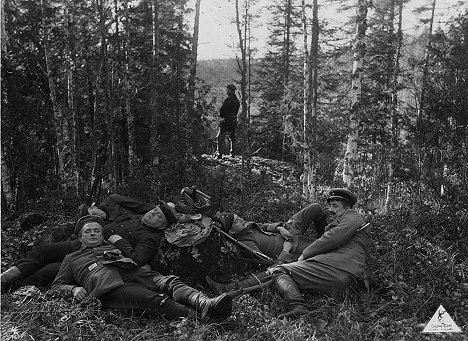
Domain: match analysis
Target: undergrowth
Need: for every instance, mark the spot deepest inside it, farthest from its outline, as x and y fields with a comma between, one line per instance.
x=416, y=262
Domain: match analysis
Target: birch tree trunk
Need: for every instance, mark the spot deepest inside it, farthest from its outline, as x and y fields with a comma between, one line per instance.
x=351, y=154
x=422, y=99
x=242, y=29
x=394, y=120
x=7, y=188
x=313, y=76
x=286, y=62
x=306, y=112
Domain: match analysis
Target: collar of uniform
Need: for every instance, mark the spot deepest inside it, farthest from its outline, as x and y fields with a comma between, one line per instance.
x=82, y=248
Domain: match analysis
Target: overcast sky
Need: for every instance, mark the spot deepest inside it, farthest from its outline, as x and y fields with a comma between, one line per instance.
x=218, y=36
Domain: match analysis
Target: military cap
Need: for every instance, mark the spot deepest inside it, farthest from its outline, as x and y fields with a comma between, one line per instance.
x=342, y=194
x=168, y=212
x=87, y=219
x=231, y=86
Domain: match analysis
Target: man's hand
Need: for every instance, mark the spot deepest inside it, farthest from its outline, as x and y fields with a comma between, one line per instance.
x=79, y=293
x=285, y=233
x=114, y=238
x=301, y=257
x=287, y=246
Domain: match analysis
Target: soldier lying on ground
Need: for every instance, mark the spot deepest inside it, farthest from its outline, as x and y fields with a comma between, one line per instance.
x=138, y=235
x=98, y=269
x=284, y=242
x=326, y=266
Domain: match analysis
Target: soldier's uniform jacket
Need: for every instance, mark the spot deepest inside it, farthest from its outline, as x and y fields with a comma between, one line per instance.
x=341, y=246
x=146, y=240
x=229, y=109
x=116, y=205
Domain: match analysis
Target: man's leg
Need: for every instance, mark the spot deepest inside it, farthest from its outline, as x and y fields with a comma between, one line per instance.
x=303, y=220
x=42, y=277
x=219, y=143
x=219, y=307
x=260, y=280
x=133, y=296
x=232, y=140
x=35, y=261
x=307, y=275
x=288, y=289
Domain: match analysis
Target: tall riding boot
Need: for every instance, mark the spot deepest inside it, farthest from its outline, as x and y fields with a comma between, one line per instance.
x=217, y=308
x=172, y=310
x=252, y=280
x=289, y=291
x=8, y=277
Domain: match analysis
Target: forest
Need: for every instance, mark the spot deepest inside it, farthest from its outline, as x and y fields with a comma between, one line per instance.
x=103, y=97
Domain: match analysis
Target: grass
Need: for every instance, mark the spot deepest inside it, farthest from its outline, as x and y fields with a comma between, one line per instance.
x=416, y=262
x=410, y=276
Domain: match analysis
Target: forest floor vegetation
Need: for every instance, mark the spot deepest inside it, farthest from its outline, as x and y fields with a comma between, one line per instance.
x=416, y=262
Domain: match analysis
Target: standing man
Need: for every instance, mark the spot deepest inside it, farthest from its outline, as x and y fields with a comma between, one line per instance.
x=327, y=265
x=228, y=121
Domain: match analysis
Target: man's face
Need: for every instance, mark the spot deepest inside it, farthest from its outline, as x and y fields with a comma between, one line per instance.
x=91, y=234
x=93, y=210
x=238, y=224
x=336, y=208
x=156, y=218
x=229, y=91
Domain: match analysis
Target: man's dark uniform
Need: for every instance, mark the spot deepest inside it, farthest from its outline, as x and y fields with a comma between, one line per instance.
x=228, y=124
x=138, y=242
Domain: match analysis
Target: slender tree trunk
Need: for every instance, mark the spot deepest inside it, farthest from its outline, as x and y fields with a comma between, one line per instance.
x=60, y=123
x=422, y=99
x=313, y=75
x=155, y=81
x=193, y=115
x=351, y=155
x=7, y=188
x=105, y=139
x=306, y=110
x=128, y=111
x=76, y=120
x=242, y=29
x=286, y=64
x=394, y=108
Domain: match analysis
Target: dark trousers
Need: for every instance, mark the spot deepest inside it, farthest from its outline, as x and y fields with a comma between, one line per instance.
x=148, y=291
x=41, y=266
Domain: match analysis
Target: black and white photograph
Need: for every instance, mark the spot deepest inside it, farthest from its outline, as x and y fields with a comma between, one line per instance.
x=234, y=170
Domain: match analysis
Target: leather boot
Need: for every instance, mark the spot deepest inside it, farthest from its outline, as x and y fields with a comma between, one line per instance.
x=291, y=294
x=172, y=310
x=217, y=308
x=252, y=280
x=8, y=277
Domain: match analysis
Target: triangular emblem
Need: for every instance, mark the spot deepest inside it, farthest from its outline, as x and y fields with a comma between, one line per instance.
x=441, y=322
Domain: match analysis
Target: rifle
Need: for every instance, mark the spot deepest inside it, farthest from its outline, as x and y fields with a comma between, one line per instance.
x=261, y=257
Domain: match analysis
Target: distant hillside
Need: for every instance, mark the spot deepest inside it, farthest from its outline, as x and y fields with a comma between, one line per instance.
x=218, y=71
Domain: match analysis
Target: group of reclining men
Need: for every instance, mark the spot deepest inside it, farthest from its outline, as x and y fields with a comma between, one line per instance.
x=118, y=238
